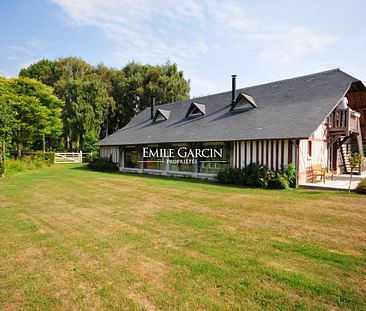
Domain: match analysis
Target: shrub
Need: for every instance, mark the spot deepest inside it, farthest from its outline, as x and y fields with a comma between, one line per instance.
x=29, y=161
x=88, y=158
x=231, y=176
x=254, y=174
x=276, y=180
x=361, y=187
x=39, y=156
x=291, y=174
x=102, y=164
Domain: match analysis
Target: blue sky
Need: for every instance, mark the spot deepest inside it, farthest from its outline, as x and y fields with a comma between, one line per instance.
x=260, y=41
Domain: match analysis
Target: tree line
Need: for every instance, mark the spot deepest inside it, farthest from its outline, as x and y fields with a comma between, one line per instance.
x=68, y=104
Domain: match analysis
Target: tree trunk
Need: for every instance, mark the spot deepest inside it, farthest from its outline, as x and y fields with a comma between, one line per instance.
x=81, y=142
x=19, y=150
x=44, y=143
x=2, y=158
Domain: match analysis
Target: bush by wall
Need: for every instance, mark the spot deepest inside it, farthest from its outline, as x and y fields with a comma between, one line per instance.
x=361, y=187
x=255, y=175
x=276, y=180
x=101, y=164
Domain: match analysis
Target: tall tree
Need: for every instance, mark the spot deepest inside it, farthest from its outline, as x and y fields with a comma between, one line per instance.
x=6, y=120
x=37, y=112
x=84, y=89
x=43, y=70
x=115, y=95
x=134, y=85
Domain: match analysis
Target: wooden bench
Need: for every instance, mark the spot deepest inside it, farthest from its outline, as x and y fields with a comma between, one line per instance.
x=317, y=170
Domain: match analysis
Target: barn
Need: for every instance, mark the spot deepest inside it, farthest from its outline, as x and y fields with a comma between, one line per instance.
x=314, y=119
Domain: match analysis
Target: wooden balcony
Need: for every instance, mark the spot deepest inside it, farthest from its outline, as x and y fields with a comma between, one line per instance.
x=344, y=122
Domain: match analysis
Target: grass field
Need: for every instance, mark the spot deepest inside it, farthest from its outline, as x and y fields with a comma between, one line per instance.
x=73, y=239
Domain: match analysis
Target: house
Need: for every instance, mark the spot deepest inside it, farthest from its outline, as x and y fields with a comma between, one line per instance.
x=317, y=118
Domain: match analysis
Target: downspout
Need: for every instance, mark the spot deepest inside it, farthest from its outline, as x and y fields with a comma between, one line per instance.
x=296, y=144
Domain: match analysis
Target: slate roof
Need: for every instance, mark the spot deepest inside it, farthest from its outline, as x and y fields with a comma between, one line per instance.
x=291, y=108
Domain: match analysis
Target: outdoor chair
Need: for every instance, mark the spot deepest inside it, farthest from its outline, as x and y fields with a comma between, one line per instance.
x=317, y=170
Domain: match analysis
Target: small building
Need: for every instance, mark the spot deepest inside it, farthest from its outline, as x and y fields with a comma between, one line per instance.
x=317, y=118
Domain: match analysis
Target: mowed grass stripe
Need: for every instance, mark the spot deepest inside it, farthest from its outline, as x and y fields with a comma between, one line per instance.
x=77, y=239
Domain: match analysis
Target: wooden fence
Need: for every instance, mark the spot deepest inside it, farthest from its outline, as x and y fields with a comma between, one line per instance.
x=68, y=157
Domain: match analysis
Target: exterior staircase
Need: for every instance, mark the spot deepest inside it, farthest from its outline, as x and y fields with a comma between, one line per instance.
x=352, y=143
x=345, y=130
x=345, y=152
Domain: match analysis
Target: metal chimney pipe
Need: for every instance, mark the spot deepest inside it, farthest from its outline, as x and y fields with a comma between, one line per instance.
x=152, y=107
x=233, y=88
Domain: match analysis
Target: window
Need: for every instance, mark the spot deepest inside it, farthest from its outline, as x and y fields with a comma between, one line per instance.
x=181, y=164
x=131, y=158
x=310, y=148
x=161, y=115
x=214, y=164
x=154, y=162
x=196, y=110
x=243, y=102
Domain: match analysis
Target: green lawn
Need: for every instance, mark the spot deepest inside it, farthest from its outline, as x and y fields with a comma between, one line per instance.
x=73, y=239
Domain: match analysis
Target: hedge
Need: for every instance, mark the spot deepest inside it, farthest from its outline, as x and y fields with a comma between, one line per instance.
x=255, y=175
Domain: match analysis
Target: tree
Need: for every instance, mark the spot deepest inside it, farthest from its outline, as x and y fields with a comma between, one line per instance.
x=99, y=100
x=85, y=91
x=86, y=106
x=36, y=112
x=355, y=160
x=6, y=121
x=43, y=70
x=134, y=85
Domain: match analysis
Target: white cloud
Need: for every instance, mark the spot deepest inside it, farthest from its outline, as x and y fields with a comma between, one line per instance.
x=29, y=47
x=156, y=30
x=290, y=44
x=21, y=49
x=143, y=30
x=182, y=31
x=34, y=44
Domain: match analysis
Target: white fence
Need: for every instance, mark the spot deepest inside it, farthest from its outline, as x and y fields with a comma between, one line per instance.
x=69, y=157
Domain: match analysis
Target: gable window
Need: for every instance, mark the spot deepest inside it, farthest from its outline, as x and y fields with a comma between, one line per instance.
x=161, y=115
x=196, y=110
x=243, y=102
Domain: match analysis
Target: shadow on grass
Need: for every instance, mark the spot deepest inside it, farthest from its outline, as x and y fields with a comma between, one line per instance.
x=179, y=179
x=198, y=181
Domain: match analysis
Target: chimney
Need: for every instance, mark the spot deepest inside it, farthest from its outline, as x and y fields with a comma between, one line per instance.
x=152, y=107
x=233, y=89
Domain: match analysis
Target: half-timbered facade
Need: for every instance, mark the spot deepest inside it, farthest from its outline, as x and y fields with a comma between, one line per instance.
x=318, y=118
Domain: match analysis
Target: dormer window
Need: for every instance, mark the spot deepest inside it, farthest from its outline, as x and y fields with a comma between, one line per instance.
x=196, y=110
x=161, y=115
x=243, y=102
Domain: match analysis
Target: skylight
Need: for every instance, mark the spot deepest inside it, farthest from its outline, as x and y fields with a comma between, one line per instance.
x=196, y=110
x=243, y=102
x=161, y=115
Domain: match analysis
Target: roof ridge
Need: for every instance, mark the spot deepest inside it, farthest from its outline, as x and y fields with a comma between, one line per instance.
x=292, y=79
x=262, y=84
